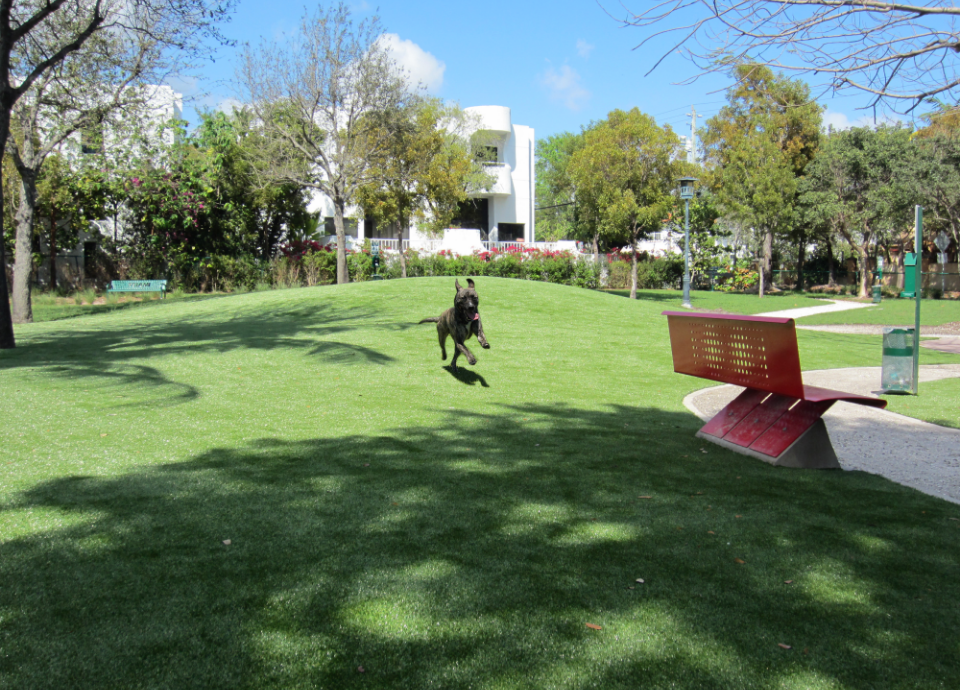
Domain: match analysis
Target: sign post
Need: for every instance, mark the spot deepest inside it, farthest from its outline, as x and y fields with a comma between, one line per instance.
x=918, y=292
x=942, y=241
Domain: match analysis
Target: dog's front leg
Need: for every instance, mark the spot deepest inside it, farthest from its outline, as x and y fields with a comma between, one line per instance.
x=466, y=353
x=478, y=331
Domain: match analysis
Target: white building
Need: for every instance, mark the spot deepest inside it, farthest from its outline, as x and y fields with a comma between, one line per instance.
x=504, y=213
x=161, y=104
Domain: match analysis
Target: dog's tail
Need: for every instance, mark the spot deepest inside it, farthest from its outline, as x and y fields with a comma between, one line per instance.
x=432, y=319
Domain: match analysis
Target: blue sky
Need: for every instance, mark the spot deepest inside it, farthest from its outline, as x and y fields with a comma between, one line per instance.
x=558, y=65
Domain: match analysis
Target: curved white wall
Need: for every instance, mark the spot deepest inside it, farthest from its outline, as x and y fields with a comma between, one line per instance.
x=495, y=118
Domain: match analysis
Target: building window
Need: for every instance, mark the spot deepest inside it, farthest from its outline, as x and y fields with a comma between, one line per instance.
x=382, y=230
x=349, y=226
x=510, y=232
x=487, y=155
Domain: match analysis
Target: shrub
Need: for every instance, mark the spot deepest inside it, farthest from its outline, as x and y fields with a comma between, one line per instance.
x=320, y=268
x=359, y=265
x=619, y=277
x=285, y=272
x=586, y=274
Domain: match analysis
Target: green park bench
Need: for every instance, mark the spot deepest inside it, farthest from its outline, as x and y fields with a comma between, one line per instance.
x=139, y=286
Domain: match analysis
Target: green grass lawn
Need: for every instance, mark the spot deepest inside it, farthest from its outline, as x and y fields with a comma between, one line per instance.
x=48, y=307
x=436, y=530
x=892, y=312
x=937, y=402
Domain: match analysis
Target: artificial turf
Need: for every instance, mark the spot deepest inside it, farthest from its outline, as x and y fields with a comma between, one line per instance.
x=892, y=312
x=288, y=490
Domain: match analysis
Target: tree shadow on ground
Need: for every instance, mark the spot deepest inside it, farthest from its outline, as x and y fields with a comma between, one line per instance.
x=472, y=554
x=119, y=349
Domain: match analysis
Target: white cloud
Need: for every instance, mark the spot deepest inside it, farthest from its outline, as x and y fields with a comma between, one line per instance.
x=564, y=86
x=584, y=49
x=183, y=84
x=838, y=120
x=421, y=66
x=228, y=105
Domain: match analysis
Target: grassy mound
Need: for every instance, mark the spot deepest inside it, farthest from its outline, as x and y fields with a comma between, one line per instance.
x=287, y=489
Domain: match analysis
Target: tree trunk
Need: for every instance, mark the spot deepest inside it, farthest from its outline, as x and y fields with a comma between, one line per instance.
x=801, y=259
x=767, y=264
x=596, y=243
x=53, y=249
x=831, y=265
x=339, y=205
x=7, y=340
x=633, y=269
x=403, y=259
x=863, y=262
x=23, y=261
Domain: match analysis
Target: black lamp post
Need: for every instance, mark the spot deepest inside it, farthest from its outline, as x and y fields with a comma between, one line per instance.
x=686, y=193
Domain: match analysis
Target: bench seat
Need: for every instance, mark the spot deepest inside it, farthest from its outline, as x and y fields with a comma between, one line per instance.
x=138, y=286
x=777, y=418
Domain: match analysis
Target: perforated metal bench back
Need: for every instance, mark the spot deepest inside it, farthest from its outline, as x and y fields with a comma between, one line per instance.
x=752, y=351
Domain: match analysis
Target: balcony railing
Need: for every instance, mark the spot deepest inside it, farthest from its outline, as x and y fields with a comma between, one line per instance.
x=432, y=246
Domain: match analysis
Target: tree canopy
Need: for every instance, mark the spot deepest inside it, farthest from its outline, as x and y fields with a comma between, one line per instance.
x=624, y=175
x=757, y=146
x=315, y=94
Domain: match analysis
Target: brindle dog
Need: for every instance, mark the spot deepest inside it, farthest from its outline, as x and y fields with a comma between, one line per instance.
x=460, y=322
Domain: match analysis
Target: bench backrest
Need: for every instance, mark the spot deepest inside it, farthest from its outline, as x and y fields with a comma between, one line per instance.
x=138, y=284
x=752, y=351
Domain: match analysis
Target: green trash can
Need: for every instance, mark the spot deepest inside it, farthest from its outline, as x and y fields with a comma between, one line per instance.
x=877, y=294
x=897, y=371
x=909, y=276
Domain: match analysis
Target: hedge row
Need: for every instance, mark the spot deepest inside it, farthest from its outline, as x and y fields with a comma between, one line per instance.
x=228, y=273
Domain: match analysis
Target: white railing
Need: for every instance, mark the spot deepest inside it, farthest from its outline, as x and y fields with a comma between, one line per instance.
x=501, y=246
x=432, y=246
x=389, y=245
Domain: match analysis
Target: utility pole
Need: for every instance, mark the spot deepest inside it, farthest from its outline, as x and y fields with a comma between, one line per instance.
x=692, y=158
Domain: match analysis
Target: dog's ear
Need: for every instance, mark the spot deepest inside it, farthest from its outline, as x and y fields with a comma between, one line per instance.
x=457, y=283
x=470, y=283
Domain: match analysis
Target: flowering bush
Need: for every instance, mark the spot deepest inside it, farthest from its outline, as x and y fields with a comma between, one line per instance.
x=300, y=248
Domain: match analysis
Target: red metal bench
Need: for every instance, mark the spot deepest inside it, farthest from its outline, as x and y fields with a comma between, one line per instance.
x=777, y=418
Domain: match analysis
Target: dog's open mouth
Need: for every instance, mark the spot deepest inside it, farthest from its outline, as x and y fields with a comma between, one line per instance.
x=476, y=317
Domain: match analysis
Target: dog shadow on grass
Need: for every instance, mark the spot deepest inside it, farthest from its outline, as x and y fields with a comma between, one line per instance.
x=466, y=376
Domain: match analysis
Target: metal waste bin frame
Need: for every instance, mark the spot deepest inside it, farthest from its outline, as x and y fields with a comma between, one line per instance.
x=907, y=353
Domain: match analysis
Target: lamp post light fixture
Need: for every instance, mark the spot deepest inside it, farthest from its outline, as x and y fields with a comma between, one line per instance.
x=686, y=193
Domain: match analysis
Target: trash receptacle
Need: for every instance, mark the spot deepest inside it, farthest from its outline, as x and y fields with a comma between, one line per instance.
x=897, y=371
x=877, y=294
x=909, y=276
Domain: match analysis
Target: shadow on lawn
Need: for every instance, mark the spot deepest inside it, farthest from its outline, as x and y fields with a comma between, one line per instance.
x=473, y=553
x=98, y=351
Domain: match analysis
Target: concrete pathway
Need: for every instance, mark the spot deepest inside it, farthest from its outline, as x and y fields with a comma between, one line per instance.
x=832, y=305
x=905, y=450
x=948, y=340
x=949, y=343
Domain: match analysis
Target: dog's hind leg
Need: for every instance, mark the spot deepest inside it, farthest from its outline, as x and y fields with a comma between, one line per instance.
x=442, y=336
x=461, y=348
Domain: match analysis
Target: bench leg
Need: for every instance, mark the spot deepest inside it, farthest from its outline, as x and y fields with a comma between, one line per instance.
x=811, y=451
x=778, y=429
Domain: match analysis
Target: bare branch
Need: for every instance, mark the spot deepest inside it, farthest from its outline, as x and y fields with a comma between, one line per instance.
x=900, y=53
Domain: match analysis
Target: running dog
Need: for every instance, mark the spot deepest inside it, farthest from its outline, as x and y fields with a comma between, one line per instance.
x=460, y=322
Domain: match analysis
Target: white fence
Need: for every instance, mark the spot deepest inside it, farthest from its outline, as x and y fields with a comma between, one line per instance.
x=433, y=246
